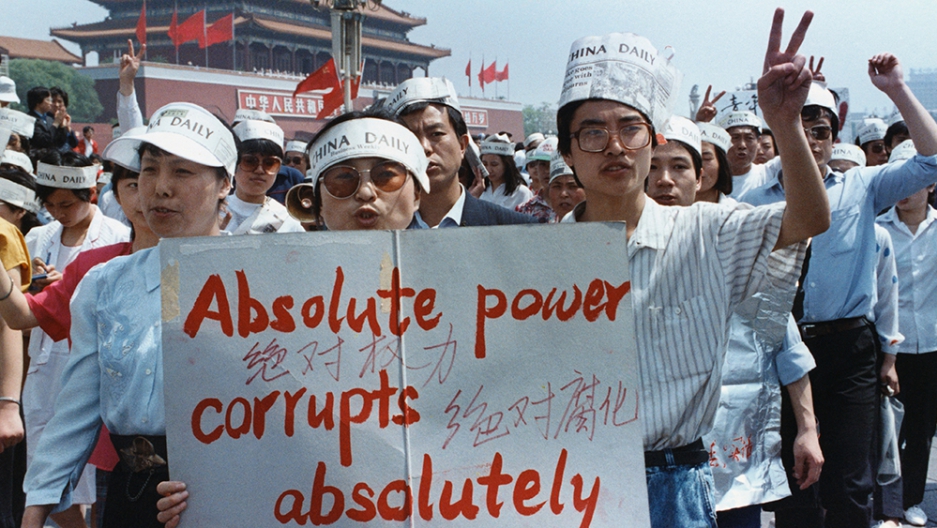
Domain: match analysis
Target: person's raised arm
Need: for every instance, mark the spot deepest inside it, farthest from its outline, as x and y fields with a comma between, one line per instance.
x=782, y=91
x=707, y=111
x=886, y=74
x=128, y=110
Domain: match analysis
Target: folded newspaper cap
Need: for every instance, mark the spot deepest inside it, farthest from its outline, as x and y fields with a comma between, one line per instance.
x=12, y=157
x=66, y=177
x=251, y=129
x=531, y=139
x=848, y=152
x=8, y=90
x=625, y=68
x=904, y=151
x=545, y=150
x=819, y=95
x=558, y=167
x=682, y=129
x=296, y=146
x=126, y=158
x=368, y=138
x=104, y=178
x=874, y=129
x=895, y=117
x=247, y=114
x=5, y=132
x=715, y=135
x=740, y=118
x=422, y=90
x=185, y=130
x=18, y=195
x=19, y=122
x=497, y=144
x=520, y=159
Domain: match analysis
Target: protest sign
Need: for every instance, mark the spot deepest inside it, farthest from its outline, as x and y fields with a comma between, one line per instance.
x=478, y=376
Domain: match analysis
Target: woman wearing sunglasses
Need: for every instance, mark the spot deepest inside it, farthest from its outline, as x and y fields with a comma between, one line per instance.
x=260, y=155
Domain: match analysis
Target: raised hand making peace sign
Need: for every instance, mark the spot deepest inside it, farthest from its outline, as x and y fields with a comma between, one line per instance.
x=707, y=110
x=783, y=87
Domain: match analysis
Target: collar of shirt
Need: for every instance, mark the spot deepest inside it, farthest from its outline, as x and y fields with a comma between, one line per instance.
x=453, y=217
x=651, y=232
x=891, y=217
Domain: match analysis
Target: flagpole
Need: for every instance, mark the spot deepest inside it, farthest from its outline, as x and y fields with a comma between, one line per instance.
x=234, y=45
x=481, y=77
x=470, y=75
x=144, y=31
x=509, y=79
x=175, y=10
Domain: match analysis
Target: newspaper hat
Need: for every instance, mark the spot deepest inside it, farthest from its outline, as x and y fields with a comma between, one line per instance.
x=126, y=158
x=19, y=122
x=5, y=132
x=520, y=159
x=904, y=151
x=532, y=138
x=8, y=90
x=18, y=195
x=874, y=129
x=740, y=118
x=545, y=150
x=716, y=135
x=558, y=167
x=185, y=130
x=247, y=114
x=251, y=129
x=12, y=157
x=422, y=90
x=682, y=129
x=66, y=177
x=105, y=178
x=819, y=95
x=895, y=117
x=625, y=68
x=296, y=146
x=497, y=144
x=848, y=152
x=368, y=137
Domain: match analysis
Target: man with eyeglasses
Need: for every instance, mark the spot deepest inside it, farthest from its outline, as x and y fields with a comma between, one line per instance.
x=690, y=266
x=295, y=156
x=871, y=140
x=838, y=292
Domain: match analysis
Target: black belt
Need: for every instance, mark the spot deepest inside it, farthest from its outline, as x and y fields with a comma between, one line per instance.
x=808, y=330
x=689, y=455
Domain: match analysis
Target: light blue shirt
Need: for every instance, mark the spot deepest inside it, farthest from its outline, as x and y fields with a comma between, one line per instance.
x=794, y=360
x=115, y=372
x=840, y=282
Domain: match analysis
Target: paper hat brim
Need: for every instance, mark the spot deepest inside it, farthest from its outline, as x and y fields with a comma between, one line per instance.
x=252, y=129
x=296, y=146
x=368, y=137
x=66, y=177
x=115, y=151
x=737, y=119
x=17, y=195
x=848, y=152
x=544, y=151
x=682, y=129
x=422, y=90
x=716, y=135
x=19, y=159
x=904, y=151
x=558, y=167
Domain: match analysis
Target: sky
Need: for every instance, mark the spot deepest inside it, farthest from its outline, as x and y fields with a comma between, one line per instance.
x=718, y=42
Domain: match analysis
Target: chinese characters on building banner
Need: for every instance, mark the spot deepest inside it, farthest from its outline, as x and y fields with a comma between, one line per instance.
x=413, y=378
x=306, y=105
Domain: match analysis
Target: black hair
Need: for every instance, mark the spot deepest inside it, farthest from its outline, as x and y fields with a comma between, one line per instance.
x=262, y=147
x=36, y=95
x=815, y=112
x=87, y=128
x=69, y=158
x=20, y=177
x=96, y=158
x=121, y=173
x=774, y=142
x=898, y=128
x=455, y=117
x=56, y=91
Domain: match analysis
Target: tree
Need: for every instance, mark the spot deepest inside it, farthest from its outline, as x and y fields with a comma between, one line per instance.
x=539, y=119
x=84, y=105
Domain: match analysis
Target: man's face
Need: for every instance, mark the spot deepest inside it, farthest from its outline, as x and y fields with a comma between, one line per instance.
x=88, y=134
x=875, y=152
x=743, y=150
x=57, y=103
x=443, y=147
x=765, y=149
x=672, y=180
x=615, y=171
x=45, y=106
x=297, y=160
x=822, y=149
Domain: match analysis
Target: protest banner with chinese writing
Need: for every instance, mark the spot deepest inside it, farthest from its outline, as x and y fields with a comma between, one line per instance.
x=477, y=376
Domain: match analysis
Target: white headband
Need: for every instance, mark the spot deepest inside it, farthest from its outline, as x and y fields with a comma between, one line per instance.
x=622, y=67
x=545, y=150
x=558, y=167
x=904, y=151
x=19, y=159
x=716, y=135
x=536, y=136
x=734, y=119
x=422, y=90
x=848, y=152
x=296, y=146
x=874, y=129
x=497, y=144
x=682, y=129
x=21, y=123
x=17, y=195
x=251, y=129
x=368, y=137
x=66, y=177
x=246, y=114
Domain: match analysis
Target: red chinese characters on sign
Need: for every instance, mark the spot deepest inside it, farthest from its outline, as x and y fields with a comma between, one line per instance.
x=280, y=103
x=475, y=118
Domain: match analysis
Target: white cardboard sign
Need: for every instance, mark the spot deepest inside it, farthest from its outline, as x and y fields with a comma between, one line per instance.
x=414, y=378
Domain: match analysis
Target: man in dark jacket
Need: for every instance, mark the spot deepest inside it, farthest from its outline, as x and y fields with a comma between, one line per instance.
x=49, y=131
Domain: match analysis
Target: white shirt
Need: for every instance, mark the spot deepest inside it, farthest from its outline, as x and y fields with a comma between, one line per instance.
x=257, y=219
x=754, y=178
x=453, y=217
x=497, y=197
x=916, y=261
x=690, y=268
x=885, y=310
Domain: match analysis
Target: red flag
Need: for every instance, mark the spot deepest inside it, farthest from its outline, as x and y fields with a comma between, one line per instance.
x=173, y=26
x=192, y=29
x=321, y=79
x=141, y=25
x=491, y=72
x=502, y=75
x=468, y=71
x=221, y=31
x=481, y=75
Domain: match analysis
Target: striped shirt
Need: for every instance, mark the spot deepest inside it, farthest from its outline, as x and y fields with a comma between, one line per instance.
x=690, y=268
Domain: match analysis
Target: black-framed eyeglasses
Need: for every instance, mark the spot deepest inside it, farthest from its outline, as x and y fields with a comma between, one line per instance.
x=294, y=160
x=633, y=136
x=343, y=181
x=819, y=132
x=249, y=163
x=877, y=148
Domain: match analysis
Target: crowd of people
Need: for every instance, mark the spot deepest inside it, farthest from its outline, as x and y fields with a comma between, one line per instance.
x=781, y=274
